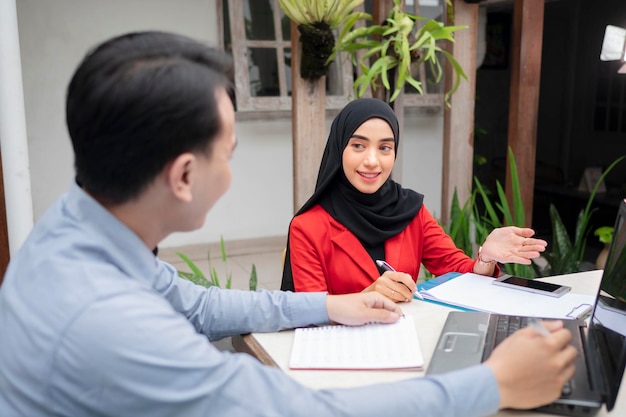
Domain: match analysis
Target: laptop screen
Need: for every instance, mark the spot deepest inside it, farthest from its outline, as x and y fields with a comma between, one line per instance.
x=608, y=323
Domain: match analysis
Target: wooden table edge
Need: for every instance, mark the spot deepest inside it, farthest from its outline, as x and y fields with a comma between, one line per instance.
x=246, y=343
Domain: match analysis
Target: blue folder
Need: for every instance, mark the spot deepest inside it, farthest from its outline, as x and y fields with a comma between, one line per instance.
x=431, y=283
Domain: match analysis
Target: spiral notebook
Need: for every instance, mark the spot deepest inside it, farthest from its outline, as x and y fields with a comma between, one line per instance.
x=372, y=346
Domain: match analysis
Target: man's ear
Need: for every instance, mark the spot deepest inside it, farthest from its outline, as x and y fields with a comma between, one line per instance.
x=179, y=176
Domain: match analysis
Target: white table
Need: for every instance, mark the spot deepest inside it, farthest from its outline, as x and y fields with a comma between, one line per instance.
x=275, y=348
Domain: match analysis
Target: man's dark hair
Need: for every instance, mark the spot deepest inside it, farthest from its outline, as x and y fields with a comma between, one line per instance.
x=138, y=101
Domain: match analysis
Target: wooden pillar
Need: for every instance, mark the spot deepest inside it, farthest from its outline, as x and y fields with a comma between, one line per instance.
x=524, y=97
x=458, y=128
x=380, y=12
x=308, y=114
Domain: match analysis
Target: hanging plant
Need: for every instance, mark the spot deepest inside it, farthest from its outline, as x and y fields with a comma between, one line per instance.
x=316, y=21
x=390, y=49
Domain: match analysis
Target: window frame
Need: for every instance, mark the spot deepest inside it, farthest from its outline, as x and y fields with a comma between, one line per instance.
x=246, y=103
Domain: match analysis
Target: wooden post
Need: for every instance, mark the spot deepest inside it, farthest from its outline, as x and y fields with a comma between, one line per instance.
x=308, y=115
x=458, y=127
x=524, y=97
x=380, y=12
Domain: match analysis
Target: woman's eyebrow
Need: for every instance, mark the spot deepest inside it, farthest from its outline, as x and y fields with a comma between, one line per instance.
x=366, y=138
x=359, y=137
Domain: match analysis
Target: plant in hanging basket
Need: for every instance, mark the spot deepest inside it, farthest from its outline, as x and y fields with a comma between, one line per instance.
x=316, y=21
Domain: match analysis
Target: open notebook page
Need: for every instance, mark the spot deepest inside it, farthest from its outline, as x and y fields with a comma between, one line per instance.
x=372, y=346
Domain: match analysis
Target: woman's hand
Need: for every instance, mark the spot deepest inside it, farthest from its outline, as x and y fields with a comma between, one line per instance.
x=397, y=286
x=512, y=245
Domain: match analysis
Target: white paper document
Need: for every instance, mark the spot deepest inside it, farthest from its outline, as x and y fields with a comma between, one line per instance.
x=372, y=346
x=476, y=292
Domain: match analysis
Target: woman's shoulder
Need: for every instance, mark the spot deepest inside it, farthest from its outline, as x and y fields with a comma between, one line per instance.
x=314, y=213
x=316, y=217
x=422, y=218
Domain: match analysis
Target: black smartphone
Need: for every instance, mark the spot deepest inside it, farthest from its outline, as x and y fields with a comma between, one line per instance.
x=531, y=285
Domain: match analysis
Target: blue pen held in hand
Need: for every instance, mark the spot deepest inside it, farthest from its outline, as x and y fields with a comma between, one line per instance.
x=384, y=265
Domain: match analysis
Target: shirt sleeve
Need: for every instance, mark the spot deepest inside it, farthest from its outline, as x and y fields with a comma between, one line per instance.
x=131, y=354
x=220, y=313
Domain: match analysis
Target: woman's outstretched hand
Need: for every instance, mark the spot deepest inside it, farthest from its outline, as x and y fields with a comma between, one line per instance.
x=512, y=245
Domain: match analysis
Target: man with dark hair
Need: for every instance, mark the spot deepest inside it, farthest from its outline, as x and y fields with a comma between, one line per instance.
x=94, y=324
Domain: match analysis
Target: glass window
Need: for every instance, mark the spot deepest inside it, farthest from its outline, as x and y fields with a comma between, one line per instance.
x=610, y=98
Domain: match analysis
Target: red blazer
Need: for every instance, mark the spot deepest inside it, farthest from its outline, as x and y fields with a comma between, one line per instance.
x=326, y=256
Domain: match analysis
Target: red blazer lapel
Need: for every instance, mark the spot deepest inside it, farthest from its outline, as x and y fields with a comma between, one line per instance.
x=346, y=243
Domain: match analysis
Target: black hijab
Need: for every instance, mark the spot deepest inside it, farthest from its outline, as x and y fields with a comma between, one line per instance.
x=372, y=218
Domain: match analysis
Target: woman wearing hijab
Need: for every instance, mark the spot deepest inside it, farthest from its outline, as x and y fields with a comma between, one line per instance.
x=358, y=215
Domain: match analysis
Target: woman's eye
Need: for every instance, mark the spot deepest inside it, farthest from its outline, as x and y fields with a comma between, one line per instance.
x=386, y=148
x=357, y=146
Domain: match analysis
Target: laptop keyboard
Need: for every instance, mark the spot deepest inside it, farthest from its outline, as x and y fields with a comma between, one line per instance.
x=506, y=325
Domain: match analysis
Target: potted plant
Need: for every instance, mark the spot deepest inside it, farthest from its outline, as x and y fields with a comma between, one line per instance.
x=198, y=277
x=316, y=22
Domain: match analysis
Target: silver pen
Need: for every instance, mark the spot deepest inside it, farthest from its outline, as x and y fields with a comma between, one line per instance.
x=384, y=265
x=538, y=326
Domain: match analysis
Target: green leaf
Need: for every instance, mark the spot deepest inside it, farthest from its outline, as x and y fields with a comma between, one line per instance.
x=222, y=248
x=369, y=45
x=345, y=11
x=493, y=219
x=196, y=279
x=458, y=74
x=415, y=83
x=604, y=233
x=503, y=205
x=384, y=76
x=519, y=215
x=214, y=279
x=190, y=264
x=253, y=278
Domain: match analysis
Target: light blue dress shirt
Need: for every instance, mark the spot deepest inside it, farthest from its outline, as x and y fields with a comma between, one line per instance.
x=93, y=324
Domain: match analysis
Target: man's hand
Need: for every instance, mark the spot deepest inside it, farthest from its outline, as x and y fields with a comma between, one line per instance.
x=397, y=286
x=361, y=308
x=531, y=369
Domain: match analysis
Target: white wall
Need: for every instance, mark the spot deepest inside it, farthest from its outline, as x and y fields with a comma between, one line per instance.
x=260, y=199
x=422, y=153
x=55, y=35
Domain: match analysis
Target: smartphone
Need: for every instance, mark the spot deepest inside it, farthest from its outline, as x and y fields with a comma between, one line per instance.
x=525, y=284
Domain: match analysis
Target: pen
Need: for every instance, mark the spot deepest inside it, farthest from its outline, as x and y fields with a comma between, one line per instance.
x=537, y=326
x=384, y=265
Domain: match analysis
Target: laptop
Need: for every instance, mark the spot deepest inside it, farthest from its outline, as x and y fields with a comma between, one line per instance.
x=468, y=338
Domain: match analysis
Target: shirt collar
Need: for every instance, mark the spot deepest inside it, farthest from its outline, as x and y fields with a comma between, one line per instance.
x=119, y=243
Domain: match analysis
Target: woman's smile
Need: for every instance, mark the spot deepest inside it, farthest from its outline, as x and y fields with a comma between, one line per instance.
x=368, y=176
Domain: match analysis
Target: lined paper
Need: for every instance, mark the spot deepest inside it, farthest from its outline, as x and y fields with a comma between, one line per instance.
x=372, y=346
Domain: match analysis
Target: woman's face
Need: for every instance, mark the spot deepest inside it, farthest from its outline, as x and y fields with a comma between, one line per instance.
x=369, y=156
